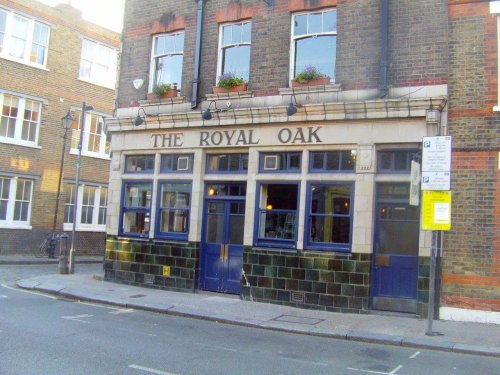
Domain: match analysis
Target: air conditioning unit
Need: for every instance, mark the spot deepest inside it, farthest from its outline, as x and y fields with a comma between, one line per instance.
x=271, y=162
x=183, y=163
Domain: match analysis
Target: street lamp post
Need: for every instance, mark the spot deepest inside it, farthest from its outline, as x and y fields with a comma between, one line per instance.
x=67, y=121
x=77, y=184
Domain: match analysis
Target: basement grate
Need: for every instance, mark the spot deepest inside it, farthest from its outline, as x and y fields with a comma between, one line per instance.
x=298, y=297
x=149, y=279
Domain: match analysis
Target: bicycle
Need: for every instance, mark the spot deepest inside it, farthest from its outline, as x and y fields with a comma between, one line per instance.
x=42, y=251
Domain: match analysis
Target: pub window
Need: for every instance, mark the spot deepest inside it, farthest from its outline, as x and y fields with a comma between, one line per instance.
x=234, y=50
x=279, y=162
x=140, y=164
x=277, y=215
x=396, y=161
x=166, y=60
x=174, y=163
x=227, y=163
x=333, y=161
x=173, y=210
x=136, y=209
x=226, y=190
x=329, y=216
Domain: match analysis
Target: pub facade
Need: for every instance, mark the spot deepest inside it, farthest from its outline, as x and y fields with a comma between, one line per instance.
x=281, y=192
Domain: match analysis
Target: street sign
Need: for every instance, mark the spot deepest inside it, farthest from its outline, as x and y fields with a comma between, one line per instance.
x=436, y=163
x=436, y=210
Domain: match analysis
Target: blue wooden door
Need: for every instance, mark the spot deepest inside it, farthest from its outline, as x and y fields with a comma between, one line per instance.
x=395, y=265
x=222, y=246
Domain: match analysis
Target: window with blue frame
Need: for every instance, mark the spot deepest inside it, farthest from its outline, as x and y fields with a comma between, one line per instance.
x=277, y=214
x=139, y=164
x=227, y=163
x=279, y=162
x=329, y=216
x=396, y=161
x=332, y=161
x=136, y=208
x=176, y=163
x=173, y=210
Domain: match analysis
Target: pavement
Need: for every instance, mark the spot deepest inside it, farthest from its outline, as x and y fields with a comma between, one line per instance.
x=390, y=329
x=31, y=260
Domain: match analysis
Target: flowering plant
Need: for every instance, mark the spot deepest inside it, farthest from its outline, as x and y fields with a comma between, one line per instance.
x=228, y=80
x=162, y=89
x=308, y=74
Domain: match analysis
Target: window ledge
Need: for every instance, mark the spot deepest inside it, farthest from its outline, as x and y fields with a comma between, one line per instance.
x=155, y=102
x=230, y=95
x=79, y=228
x=15, y=226
x=74, y=151
x=111, y=87
x=310, y=89
x=19, y=142
x=21, y=61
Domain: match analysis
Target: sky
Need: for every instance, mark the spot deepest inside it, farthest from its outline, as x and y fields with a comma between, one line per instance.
x=107, y=13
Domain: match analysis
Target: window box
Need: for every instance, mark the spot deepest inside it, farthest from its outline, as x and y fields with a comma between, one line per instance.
x=315, y=82
x=169, y=94
x=235, y=88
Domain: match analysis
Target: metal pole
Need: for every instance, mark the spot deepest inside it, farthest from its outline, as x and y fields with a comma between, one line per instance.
x=432, y=286
x=77, y=183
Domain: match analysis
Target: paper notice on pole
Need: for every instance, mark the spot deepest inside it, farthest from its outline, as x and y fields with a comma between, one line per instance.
x=441, y=213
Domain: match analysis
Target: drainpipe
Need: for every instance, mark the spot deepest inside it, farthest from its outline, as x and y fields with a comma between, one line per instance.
x=384, y=58
x=197, y=54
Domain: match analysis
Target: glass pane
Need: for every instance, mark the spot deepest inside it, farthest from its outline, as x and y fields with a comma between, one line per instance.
x=236, y=229
x=21, y=211
x=174, y=221
x=279, y=196
x=331, y=199
x=319, y=52
x=215, y=223
x=138, y=195
x=398, y=237
x=294, y=161
x=315, y=23
x=226, y=35
x=179, y=42
x=3, y=209
x=329, y=229
x=330, y=21
x=136, y=222
x=169, y=70
x=400, y=161
x=237, y=60
x=393, y=191
x=169, y=44
x=234, y=162
x=175, y=195
x=332, y=161
x=246, y=32
x=317, y=158
x=159, y=45
x=348, y=160
x=300, y=24
x=384, y=161
x=275, y=224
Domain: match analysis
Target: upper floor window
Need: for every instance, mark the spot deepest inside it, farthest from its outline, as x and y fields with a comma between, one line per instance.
x=174, y=163
x=23, y=39
x=140, y=164
x=279, y=161
x=91, y=207
x=332, y=161
x=314, y=42
x=227, y=163
x=19, y=120
x=234, y=50
x=395, y=161
x=98, y=63
x=15, y=201
x=94, y=142
x=166, y=59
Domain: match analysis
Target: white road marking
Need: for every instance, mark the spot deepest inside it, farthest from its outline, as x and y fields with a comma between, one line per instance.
x=77, y=318
x=3, y=296
x=414, y=355
x=27, y=291
x=150, y=370
x=393, y=372
x=216, y=347
x=121, y=311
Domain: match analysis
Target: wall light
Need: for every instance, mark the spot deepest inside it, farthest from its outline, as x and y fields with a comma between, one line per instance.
x=292, y=108
x=207, y=113
x=140, y=120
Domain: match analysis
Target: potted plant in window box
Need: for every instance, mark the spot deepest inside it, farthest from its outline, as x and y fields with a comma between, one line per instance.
x=162, y=91
x=310, y=76
x=228, y=82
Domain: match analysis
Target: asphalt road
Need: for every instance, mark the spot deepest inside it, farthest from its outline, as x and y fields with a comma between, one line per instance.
x=42, y=334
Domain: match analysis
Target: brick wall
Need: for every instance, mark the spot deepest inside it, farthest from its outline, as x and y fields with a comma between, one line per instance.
x=59, y=86
x=471, y=258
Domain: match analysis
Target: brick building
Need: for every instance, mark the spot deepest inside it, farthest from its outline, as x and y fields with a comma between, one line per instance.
x=40, y=81
x=284, y=191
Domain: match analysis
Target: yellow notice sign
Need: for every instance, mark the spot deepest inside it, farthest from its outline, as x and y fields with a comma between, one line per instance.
x=436, y=210
x=166, y=271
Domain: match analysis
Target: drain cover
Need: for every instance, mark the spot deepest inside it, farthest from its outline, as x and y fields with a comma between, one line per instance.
x=138, y=296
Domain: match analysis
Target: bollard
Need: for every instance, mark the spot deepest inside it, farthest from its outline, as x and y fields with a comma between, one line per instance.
x=63, y=255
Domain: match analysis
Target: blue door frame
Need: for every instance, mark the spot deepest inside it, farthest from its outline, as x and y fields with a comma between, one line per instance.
x=395, y=261
x=222, y=244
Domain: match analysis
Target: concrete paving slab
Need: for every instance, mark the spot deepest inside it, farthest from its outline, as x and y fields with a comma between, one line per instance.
x=374, y=337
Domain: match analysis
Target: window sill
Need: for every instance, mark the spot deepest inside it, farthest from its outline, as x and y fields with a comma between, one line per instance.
x=496, y=108
x=111, y=87
x=74, y=151
x=15, y=226
x=310, y=89
x=68, y=227
x=151, y=102
x=23, y=62
x=19, y=142
x=230, y=95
